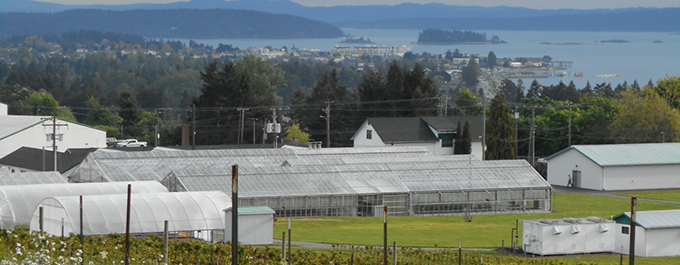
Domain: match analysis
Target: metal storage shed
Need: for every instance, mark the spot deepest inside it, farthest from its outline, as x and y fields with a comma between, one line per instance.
x=657, y=233
x=28, y=178
x=106, y=214
x=568, y=236
x=255, y=225
x=617, y=166
x=18, y=202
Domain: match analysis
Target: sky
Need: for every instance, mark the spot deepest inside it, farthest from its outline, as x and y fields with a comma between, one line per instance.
x=534, y=4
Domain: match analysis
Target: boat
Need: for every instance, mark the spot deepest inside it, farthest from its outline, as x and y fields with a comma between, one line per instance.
x=608, y=75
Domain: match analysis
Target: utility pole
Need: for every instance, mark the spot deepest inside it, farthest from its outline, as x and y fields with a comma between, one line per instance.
x=242, y=117
x=54, y=138
x=254, y=120
x=483, y=126
x=446, y=105
x=193, y=127
x=569, y=124
x=516, y=134
x=274, y=128
x=532, y=136
x=327, y=110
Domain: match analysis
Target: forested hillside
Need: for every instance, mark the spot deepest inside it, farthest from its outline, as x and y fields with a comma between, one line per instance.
x=176, y=23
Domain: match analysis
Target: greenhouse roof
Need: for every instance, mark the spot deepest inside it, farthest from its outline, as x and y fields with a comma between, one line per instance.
x=383, y=178
x=134, y=166
x=312, y=160
x=28, y=178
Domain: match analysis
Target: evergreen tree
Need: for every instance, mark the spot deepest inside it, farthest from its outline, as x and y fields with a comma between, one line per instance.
x=466, y=143
x=499, y=131
x=491, y=60
x=458, y=142
x=535, y=90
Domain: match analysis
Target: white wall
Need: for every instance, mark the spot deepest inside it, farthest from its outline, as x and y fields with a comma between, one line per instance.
x=561, y=166
x=642, y=177
x=360, y=139
x=75, y=136
x=477, y=150
x=662, y=242
x=542, y=239
x=253, y=229
x=3, y=109
x=623, y=241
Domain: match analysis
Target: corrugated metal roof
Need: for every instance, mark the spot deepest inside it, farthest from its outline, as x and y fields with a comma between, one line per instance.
x=628, y=154
x=653, y=219
x=11, y=124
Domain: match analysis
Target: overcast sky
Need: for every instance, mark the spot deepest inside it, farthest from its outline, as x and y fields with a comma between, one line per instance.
x=535, y=4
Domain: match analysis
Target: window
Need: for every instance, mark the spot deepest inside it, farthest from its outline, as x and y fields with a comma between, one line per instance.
x=369, y=134
x=625, y=230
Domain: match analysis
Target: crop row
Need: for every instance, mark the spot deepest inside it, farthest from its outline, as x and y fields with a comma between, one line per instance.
x=20, y=247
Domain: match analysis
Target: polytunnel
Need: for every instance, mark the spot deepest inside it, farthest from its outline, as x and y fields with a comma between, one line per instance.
x=17, y=202
x=106, y=214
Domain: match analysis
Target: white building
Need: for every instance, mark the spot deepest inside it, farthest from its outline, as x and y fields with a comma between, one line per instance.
x=437, y=134
x=568, y=236
x=617, y=167
x=36, y=131
x=657, y=233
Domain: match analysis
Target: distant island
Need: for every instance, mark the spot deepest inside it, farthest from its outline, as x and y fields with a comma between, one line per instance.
x=444, y=37
x=563, y=43
x=361, y=40
x=614, y=41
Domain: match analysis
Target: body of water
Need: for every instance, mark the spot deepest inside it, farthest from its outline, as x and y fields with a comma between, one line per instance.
x=640, y=59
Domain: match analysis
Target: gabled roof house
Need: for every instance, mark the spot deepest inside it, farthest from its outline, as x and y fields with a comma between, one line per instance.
x=437, y=134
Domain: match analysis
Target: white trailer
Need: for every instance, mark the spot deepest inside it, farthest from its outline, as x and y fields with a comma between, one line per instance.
x=568, y=236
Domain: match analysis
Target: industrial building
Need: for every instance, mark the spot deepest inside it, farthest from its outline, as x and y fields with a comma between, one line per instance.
x=36, y=132
x=617, y=166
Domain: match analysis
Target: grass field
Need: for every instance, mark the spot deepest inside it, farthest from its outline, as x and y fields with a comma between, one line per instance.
x=485, y=231
x=666, y=195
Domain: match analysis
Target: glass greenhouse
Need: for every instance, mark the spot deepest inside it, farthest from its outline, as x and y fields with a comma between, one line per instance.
x=18, y=202
x=132, y=166
x=188, y=214
x=407, y=188
x=27, y=178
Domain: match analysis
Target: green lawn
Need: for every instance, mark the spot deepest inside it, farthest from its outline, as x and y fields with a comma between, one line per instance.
x=666, y=195
x=485, y=231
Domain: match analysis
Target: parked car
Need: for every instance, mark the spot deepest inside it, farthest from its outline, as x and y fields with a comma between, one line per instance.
x=131, y=143
x=111, y=141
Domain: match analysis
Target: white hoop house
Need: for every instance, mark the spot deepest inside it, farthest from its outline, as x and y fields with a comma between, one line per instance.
x=106, y=214
x=17, y=202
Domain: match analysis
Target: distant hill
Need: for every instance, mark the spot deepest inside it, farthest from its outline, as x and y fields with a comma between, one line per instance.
x=173, y=23
x=416, y=16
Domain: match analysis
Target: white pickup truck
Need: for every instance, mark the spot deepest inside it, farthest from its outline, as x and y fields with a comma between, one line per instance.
x=131, y=143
